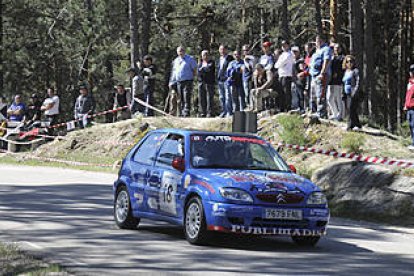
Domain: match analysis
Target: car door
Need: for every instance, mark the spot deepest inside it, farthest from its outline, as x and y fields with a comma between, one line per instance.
x=168, y=179
x=142, y=162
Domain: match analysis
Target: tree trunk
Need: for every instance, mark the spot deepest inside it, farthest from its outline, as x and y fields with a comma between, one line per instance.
x=262, y=24
x=1, y=47
x=146, y=26
x=133, y=29
x=318, y=16
x=369, y=57
x=389, y=77
x=285, y=21
x=334, y=19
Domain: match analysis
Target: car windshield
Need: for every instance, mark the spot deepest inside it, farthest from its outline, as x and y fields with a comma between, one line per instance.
x=234, y=152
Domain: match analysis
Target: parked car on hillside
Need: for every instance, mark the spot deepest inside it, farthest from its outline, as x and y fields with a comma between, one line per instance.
x=209, y=181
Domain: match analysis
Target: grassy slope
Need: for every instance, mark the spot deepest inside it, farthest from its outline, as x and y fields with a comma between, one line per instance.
x=89, y=145
x=15, y=262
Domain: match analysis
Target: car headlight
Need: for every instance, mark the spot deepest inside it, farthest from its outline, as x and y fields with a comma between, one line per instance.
x=316, y=198
x=235, y=194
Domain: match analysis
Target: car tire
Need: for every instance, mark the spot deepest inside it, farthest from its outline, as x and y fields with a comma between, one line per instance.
x=306, y=241
x=123, y=211
x=195, y=226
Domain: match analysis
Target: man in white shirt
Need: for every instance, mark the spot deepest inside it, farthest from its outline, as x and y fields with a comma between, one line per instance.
x=284, y=65
x=51, y=106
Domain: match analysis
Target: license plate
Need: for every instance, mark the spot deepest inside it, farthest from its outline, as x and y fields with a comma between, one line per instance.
x=287, y=214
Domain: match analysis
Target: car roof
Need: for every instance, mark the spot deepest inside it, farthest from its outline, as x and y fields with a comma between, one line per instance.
x=187, y=132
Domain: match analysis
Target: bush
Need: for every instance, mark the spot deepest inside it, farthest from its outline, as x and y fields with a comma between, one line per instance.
x=353, y=142
x=292, y=130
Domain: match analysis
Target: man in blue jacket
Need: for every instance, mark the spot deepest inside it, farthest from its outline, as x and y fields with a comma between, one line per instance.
x=235, y=82
x=17, y=110
x=320, y=71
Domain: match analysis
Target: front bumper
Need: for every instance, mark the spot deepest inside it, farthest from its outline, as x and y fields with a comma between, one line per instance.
x=249, y=219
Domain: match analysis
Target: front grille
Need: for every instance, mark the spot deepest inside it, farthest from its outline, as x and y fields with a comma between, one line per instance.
x=262, y=222
x=281, y=198
x=236, y=220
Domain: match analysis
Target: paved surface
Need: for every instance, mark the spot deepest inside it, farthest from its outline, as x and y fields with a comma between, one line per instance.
x=66, y=216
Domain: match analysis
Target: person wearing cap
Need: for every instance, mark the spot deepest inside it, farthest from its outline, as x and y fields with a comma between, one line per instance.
x=137, y=85
x=223, y=88
x=122, y=98
x=17, y=109
x=284, y=66
x=267, y=59
x=235, y=82
x=335, y=87
x=299, y=81
x=84, y=106
x=320, y=70
x=248, y=69
x=51, y=106
x=184, y=69
x=409, y=105
x=262, y=87
x=148, y=71
x=34, y=111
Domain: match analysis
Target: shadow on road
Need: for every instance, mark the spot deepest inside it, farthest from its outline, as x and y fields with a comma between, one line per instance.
x=74, y=223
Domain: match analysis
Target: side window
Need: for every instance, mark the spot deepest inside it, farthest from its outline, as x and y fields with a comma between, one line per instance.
x=147, y=151
x=172, y=147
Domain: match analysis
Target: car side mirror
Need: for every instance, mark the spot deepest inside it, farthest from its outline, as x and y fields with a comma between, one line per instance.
x=178, y=163
x=292, y=168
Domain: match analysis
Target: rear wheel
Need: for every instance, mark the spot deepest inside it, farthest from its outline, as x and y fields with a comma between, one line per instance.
x=195, y=226
x=305, y=241
x=122, y=210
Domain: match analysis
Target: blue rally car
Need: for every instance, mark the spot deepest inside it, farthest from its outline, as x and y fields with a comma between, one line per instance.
x=209, y=181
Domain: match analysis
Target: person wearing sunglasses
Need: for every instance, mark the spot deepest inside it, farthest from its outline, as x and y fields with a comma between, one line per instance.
x=351, y=97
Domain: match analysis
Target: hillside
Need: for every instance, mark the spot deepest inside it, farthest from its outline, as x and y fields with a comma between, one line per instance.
x=355, y=189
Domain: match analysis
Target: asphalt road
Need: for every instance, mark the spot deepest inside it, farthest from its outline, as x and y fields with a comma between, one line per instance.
x=66, y=216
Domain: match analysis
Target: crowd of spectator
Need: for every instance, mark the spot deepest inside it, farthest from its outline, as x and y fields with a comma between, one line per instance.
x=319, y=79
x=316, y=77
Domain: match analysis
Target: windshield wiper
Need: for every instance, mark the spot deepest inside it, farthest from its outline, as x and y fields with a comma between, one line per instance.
x=252, y=167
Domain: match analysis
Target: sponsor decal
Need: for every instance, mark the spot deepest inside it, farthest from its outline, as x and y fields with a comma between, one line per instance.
x=204, y=184
x=247, y=140
x=225, y=138
x=218, y=138
x=187, y=181
x=168, y=192
x=240, y=176
x=139, y=198
x=277, y=231
x=152, y=203
x=291, y=180
x=319, y=212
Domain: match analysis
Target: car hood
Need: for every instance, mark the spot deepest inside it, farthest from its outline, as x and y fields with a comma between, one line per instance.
x=255, y=181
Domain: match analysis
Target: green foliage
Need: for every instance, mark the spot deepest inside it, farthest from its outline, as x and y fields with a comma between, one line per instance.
x=353, y=142
x=292, y=129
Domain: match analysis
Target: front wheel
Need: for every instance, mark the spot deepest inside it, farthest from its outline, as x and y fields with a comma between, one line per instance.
x=123, y=212
x=305, y=241
x=195, y=226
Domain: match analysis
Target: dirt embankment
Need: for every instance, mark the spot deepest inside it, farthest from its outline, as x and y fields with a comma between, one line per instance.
x=355, y=190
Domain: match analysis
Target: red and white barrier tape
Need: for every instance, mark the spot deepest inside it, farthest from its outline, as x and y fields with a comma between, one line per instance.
x=152, y=107
x=352, y=156
x=90, y=116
